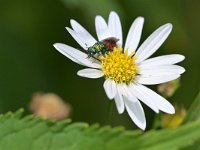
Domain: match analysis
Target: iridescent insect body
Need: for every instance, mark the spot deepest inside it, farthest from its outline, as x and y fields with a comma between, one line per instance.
x=102, y=47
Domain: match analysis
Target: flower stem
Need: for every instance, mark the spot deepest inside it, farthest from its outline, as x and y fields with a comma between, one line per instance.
x=110, y=113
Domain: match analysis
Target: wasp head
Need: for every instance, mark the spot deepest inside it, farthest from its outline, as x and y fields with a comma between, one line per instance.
x=91, y=51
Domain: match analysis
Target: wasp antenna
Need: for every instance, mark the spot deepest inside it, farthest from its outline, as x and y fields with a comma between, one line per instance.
x=86, y=45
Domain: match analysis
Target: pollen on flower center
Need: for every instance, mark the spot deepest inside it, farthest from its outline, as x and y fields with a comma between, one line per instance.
x=119, y=66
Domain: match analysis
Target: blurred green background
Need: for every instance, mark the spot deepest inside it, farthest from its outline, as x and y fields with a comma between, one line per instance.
x=29, y=62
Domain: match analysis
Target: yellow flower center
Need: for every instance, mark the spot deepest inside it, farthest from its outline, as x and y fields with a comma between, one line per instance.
x=119, y=66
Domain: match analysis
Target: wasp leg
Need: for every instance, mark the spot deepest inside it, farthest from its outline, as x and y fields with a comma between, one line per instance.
x=94, y=58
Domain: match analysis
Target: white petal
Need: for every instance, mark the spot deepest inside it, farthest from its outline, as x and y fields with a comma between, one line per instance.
x=90, y=73
x=101, y=28
x=81, y=31
x=119, y=100
x=161, y=103
x=162, y=60
x=110, y=88
x=134, y=35
x=151, y=80
x=75, y=55
x=126, y=91
x=115, y=27
x=78, y=38
x=142, y=97
x=153, y=42
x=136, y=112
x=148, y=71
x=59, y=48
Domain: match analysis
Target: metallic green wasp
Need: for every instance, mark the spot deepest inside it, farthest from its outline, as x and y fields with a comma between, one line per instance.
x=102, y=47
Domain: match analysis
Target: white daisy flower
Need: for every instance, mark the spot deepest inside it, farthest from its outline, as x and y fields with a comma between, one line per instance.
x=127, y=70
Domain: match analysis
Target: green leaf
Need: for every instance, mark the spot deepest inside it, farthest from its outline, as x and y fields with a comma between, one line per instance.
x=23, y=133
x=195, y=146
x=194, y=110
